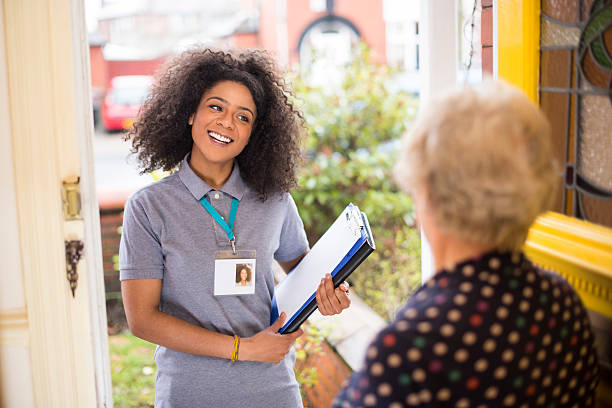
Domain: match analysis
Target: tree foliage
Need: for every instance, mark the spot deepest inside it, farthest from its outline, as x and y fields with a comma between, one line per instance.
x=353, y=133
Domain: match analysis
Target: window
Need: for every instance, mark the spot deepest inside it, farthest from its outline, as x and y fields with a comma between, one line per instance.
x=575, y=86
x=318, y=6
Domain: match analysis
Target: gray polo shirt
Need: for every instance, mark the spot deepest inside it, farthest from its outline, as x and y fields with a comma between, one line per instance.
x=168, y=235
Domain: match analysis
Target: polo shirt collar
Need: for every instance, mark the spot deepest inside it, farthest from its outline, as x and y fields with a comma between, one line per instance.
x=235, y=186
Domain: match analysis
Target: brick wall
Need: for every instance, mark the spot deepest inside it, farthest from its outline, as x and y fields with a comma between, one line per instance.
x=140, y=67
x=102, y=71
x=486, y=37
x=331, y=370
x=98, y=66
x=110, y=223
x=366, y=15
x=111, y=219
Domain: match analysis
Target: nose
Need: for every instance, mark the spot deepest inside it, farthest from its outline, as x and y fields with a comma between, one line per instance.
x=225, y=120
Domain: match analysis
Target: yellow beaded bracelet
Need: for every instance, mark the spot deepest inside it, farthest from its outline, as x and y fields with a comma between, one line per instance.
x=235, y=348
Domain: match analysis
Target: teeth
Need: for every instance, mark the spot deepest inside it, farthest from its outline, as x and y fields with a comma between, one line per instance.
x=219, y=137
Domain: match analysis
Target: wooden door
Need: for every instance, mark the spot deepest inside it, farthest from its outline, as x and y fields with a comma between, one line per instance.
x=53, y=346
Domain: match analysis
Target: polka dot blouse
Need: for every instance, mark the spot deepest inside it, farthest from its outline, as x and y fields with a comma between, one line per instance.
x=493, y=332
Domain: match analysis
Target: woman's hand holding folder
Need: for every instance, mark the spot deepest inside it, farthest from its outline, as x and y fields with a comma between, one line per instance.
x=268, y=345
x=332, y=301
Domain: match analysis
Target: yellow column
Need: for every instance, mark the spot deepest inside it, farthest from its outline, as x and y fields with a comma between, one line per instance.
x=518, y=42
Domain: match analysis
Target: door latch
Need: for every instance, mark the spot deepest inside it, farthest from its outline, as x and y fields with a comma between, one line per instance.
x=71, y=198
x=74, y=250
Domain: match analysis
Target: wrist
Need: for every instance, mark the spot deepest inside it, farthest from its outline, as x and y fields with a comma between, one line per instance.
x=244, y=353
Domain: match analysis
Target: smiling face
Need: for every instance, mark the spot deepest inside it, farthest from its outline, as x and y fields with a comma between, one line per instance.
x=221, y=126
x=244, y=274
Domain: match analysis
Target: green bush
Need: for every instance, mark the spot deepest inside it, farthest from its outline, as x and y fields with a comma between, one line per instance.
x=132, y=371
x=306, y=346
x=353, y=134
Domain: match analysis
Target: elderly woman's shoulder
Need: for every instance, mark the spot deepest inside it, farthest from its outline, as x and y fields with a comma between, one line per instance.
x=553, y=278
x=551, y=285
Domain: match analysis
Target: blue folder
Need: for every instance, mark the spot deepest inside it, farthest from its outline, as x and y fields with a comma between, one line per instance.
x=362, y=246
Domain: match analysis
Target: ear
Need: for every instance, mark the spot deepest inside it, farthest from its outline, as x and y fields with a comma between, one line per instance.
x=190, y=120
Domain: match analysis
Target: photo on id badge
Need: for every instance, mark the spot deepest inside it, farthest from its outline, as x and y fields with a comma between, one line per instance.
x=234, y=276
x=243, y=274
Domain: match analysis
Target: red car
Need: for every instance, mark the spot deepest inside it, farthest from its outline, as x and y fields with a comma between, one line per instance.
x=123, y=99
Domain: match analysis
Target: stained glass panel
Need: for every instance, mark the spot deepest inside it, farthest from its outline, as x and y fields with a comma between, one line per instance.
x=556, y=68
x=586, y=7
x=559, y=199
x=556, y=105
x=576, y=95
x=562, y=10
x=595, y=148
x=596, y=209
x=607, y=40
x=594, y=72
x=559, y=35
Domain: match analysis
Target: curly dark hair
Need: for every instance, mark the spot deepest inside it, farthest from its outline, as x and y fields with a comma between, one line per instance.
x=161, y=135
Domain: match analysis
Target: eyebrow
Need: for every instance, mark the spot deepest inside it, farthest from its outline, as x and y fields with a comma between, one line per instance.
x=224, y=101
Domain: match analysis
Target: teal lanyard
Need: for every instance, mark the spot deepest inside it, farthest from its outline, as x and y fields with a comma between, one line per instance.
x=217, y=217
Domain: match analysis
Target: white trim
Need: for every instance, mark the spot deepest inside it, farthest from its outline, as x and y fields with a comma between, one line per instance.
x=438, y=72
x=439, y=47
x=427, y=260
x=15, y=373
x=89, y=206
x=16, y=387
x=14, y=329
x=11, y=282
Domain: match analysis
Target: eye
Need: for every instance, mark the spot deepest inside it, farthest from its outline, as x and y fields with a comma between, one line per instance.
x=244, y=118
x=215, y=107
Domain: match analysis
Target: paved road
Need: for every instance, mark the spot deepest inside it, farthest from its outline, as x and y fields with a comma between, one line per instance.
x=116, y=170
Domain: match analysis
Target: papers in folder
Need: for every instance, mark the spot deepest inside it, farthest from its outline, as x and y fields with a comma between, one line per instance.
x=346, y=244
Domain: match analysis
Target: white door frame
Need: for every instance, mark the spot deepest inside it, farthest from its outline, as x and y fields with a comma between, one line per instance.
x=49, y=135
x=89, y=206
x=438, y=73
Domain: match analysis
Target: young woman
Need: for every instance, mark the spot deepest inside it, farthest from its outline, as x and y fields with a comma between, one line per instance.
x=225, y=120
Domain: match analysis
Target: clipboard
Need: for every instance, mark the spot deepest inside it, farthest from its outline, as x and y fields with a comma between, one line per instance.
x=343, y=247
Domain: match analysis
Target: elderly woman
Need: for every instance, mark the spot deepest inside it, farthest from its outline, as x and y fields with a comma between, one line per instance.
x=489, y=328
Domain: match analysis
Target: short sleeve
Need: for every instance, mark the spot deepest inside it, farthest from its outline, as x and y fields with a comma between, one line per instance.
x=140, y=252
x=293, y=241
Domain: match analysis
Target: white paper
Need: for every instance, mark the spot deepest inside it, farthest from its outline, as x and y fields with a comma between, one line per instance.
x=325, y=255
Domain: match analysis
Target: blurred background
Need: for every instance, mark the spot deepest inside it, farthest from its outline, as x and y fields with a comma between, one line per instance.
x=314, y=37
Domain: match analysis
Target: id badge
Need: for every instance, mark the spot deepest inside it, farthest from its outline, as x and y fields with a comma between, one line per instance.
x=234, y=274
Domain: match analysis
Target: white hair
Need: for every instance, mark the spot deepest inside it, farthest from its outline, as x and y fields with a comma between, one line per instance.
x=483, y=156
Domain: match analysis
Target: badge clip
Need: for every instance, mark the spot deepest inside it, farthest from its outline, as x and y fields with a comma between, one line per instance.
x=233, y=242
